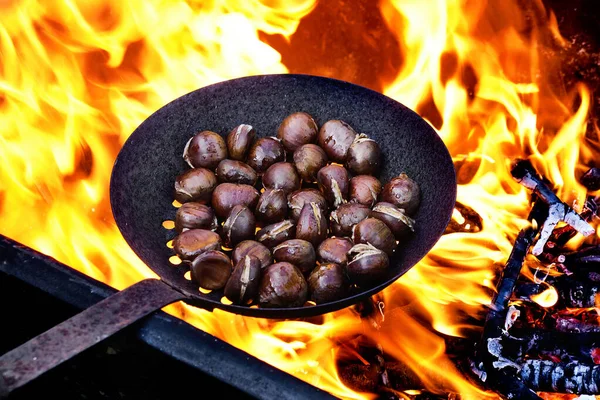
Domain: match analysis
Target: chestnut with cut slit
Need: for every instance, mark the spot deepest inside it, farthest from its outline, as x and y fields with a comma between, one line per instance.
x=239, y=141
x=364, y=156
x=240, y=225
x=282, y=285
x=205, y=150
x=274, y=234
x=299, y=198
x=309, y=159
x=281, y=175
x=211, y=269
x=343, y=218
x=334, y=181
x=242, y=286
x=196, y=184
x=364, y=189
x=252, y=248
x=367, y=265
x=375, y=232
x=272, y=206
x=395, y=218
x=312, y=224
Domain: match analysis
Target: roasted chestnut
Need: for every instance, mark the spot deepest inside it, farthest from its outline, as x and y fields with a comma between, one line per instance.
x=312, y=224
x=299, y=252
x=327, y=282
x=196, y=184
x=274, y=234
x=343, y=218
x=395, y=218
x=240, y=225
x=189, y=244
x=205, y=150
x=297, y=129
x=282, y=285
x=195, y=215
x=375, y=232
x=239, y=141
x=334, y=250
x=211, y=269
x=298, y=198
x=272, y=206
x=281, y=175
x=364, y=156
x=228, y=195
x=242, y=286
x=252, y=248
x=367, y=265
x=233, y=171
x=403, y=192
x=334, y=181
x=309, y=159
x=364, y=189
x=336, y=137
x=265, y=152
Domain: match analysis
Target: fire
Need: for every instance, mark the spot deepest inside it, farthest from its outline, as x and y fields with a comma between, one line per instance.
x=78, y=77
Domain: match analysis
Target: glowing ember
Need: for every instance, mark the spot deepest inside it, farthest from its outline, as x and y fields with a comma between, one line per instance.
x=77, y=77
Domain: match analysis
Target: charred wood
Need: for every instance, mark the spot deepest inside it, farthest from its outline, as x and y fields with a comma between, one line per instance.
x=573, y=377
x=524, y=173
x=591, y=179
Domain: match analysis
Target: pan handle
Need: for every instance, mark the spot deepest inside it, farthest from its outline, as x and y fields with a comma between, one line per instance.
x=92, y=325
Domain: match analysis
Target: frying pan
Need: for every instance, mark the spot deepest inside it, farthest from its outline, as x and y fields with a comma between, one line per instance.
x=141, y=195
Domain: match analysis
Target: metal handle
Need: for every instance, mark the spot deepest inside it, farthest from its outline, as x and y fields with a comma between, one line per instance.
x=67, y=339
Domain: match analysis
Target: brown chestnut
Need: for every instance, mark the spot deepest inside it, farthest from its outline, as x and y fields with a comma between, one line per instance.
x=242, y=286
x=281, y=175
x=282, y=285
x=239, y=141
x=327, y=282
x=196, y=184
x=364, y=156
x=334, y=182
x=312, y=224
x=265, y=152
x=336, y=137
x=252, y=248
x=309, y=159
x=228, y=195
x=297, y=129
x=272, y=206
x=205, y=150
x=364, y=189
x=346, y=216
x=189, y=244
x=395, y=218
x=240, y=225
x=233, y=171
x=403, y=192
x=211, y=269
x=274, y=234
x=195, y=215
x=299, y=252
x=375, y=232
x=367, y=265
x=298, y=198
x=334, y=250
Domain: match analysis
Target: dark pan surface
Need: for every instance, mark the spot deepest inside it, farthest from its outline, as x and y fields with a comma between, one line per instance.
x=144, y=173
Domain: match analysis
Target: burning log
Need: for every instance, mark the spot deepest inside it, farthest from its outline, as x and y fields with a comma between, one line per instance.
x=591, y=179
x=571, y=292
x=569, y=324
x=572, y=377
x=526, y=175
x=493, y=365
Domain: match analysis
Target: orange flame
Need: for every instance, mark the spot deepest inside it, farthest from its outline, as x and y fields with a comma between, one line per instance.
x=77, y=77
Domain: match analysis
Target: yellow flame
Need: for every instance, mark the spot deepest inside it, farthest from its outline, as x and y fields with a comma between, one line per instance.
x=547, y=298
x=77, y=77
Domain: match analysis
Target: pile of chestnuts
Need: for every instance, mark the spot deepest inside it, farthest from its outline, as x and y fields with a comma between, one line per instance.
x=289, y=220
